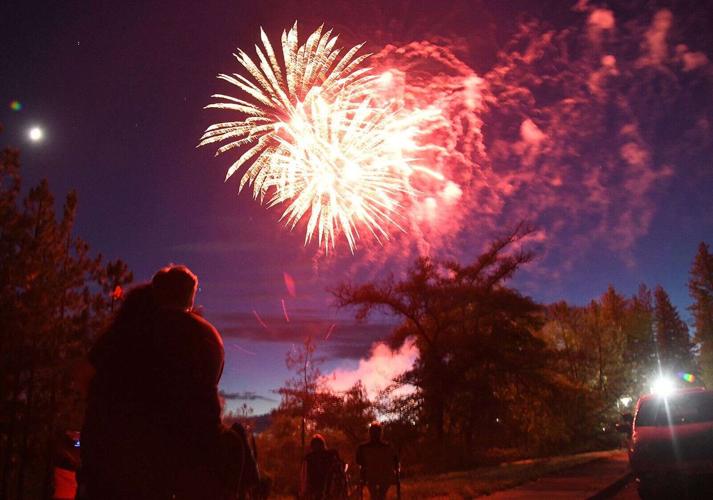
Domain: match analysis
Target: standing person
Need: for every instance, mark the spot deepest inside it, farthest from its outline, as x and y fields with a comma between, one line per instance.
x=152, y=426
x=114, y=419
x=378, y=462
x=321, y=472
x=242, y=467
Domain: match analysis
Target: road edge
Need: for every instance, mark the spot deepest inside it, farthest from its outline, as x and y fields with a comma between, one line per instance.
x=613, y=488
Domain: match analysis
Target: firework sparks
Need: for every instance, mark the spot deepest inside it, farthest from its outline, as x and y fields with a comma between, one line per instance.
x=284, y=310
x=320, y=143
x=259, y=320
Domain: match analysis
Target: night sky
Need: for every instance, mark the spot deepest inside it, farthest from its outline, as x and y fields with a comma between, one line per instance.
x=591, y=120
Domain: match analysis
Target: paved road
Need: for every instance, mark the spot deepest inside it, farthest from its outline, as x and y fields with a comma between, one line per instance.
x=628, y=493
x=700, y=491
x=579, y=482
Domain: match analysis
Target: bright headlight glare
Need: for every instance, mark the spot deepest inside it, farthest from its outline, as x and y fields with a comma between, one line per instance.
x=662, y=386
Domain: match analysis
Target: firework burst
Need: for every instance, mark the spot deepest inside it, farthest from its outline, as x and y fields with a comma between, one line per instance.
x=319, y=143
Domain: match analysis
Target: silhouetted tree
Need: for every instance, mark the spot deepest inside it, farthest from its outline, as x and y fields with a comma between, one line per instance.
x=566, y=331
x=308, y=406
x=479, y=363
x=349, y=412
x=700, y=287
x=299, y=395
x=640, y=351
x=672, y=341
x=51, y=306
x=607, y=350
x=242, y=414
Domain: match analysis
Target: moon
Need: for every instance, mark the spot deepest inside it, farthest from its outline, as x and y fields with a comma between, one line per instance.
x=36, y=134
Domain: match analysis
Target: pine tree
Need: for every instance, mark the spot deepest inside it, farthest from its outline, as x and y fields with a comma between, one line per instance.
x=640, y=352
x=614, y=321
x=52, y=305
x=700, y=287
x=672, y=341
x=564, y=331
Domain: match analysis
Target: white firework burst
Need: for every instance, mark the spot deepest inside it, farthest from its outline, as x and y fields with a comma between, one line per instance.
x=318, y=141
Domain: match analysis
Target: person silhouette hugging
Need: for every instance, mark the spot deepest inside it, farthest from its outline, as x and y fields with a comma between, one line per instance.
x=153, y=419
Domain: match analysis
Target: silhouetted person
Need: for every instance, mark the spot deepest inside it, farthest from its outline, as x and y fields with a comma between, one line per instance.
x=378, y=462
x=66, y=463
x=243, y=468
x=320, y=471
x=152, y=427
x=113, y=422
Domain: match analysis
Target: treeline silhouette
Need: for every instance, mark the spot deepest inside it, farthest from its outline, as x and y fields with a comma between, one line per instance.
x=55, y=297
x=498, y=376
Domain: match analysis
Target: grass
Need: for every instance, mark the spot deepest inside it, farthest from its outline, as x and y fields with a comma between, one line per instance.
x=486, y=480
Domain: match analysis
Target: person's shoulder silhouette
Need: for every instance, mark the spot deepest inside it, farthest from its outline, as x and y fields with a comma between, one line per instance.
x=191, y=347
x=128, y=327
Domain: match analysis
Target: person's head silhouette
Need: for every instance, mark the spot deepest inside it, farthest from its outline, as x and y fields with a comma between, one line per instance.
x=318, y=443
x=375, y=432
x=175, y=287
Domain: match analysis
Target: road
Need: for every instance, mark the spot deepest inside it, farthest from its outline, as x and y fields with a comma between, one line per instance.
x=580, y=482
x=629, y=492
x=595, y=480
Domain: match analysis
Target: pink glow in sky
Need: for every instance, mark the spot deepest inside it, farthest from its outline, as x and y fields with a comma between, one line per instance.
x=376, y=372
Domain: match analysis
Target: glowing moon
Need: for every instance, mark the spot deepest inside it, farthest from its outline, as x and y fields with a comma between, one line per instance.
x=36, y=134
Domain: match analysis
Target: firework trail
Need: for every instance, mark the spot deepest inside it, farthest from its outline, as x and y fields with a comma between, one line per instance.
x=259, y=320
x=319, y=141
x=284, y=310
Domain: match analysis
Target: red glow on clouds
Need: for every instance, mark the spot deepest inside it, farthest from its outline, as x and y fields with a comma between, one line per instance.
x=566, y=140
x=420, y=77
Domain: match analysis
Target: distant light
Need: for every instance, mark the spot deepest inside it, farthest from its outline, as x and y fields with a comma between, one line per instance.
x=663, y=386
x=36, y=134
x=16, y=105
x=625, y=401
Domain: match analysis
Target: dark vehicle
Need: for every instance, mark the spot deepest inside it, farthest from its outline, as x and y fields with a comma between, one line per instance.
x=672, y=439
